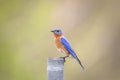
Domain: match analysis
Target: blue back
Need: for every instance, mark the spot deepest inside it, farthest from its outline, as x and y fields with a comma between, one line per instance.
x=67, y=45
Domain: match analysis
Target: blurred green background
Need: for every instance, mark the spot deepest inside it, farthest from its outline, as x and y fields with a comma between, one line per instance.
x=92, y=27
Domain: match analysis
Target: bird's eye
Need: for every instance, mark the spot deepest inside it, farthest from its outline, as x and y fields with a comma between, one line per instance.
x=57, y=30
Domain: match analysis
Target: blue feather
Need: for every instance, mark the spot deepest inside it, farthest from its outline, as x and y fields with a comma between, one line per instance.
x=67, y=46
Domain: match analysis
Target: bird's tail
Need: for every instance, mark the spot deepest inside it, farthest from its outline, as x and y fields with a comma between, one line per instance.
x=77, y=59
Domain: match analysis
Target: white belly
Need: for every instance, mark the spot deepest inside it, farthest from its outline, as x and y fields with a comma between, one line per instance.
x=62, y=52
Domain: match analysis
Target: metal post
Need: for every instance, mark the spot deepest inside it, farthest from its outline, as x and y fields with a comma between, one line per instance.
x=55, y=69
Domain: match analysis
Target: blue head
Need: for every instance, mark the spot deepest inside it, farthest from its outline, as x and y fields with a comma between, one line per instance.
x=57, y=31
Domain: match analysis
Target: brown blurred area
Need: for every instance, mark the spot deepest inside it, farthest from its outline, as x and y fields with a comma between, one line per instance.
x=92, y=27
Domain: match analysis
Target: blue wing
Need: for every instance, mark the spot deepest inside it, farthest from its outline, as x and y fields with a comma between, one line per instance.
x=67, y=45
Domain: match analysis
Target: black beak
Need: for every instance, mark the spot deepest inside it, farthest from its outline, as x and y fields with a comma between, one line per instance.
x=52, y=31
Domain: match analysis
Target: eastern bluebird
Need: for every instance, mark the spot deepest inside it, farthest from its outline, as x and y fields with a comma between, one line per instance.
x=64, y=46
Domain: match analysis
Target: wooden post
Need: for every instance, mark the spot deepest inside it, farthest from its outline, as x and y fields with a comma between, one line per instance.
x=55, y=69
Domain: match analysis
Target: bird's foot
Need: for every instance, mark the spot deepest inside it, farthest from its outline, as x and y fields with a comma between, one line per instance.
x=64, y=58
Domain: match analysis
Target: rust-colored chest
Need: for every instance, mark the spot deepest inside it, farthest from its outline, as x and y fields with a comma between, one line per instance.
x=60, y=46
x=58, y=43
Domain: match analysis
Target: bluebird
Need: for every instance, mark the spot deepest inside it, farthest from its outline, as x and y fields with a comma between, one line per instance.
x=64, y=46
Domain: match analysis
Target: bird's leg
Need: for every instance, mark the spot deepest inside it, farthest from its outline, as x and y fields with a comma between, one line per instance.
x=64, y=57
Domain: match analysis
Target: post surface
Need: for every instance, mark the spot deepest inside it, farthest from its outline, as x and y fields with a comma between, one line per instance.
x=55, y=69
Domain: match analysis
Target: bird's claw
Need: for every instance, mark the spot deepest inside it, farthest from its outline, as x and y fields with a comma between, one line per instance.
x=64, y=58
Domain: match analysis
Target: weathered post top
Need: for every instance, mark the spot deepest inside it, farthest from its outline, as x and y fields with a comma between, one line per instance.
x=55, y=69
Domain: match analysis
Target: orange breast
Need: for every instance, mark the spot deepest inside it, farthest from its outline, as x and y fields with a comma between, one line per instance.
x=60, y=45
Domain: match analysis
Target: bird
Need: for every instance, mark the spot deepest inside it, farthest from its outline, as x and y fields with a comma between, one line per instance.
x=64, y=46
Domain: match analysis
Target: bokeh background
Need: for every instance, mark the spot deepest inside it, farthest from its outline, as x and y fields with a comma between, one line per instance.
x=92, y=27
